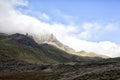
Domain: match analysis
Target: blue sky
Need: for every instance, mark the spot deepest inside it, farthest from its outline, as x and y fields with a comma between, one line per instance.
x=84, y=10
x=77, y=12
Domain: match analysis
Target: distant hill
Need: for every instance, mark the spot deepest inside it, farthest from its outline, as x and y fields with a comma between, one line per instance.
x=52, y=40
x=24, y=47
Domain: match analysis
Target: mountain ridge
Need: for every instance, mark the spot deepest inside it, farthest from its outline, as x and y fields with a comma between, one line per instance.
x=25, y=48
x=51, y=39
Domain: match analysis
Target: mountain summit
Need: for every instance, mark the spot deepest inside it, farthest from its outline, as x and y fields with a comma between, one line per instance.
x=52, y=40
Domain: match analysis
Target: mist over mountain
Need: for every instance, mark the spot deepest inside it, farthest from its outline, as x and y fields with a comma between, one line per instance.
x=14, y=19
x=25, y=48
x=52, y=40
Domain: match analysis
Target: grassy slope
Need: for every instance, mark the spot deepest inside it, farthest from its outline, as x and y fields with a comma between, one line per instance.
x=20, y=48
x=71, y=51
x=25, y=48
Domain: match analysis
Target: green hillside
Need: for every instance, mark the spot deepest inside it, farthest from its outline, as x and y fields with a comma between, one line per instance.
x=25, y=48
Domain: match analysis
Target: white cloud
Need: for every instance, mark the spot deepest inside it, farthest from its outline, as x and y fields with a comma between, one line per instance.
x=13, y=21
x=45, y=16
x=65, y=18
x=105, y=47
x=20, y=2
x=113, y=26
x=90, y=30
x=95, y=30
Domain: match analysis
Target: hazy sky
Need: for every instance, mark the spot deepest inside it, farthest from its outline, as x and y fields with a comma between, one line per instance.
x=90, y=25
